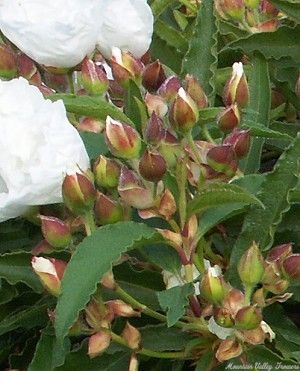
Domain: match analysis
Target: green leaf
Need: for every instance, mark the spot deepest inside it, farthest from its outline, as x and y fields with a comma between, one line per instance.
x=16, y=267
x=258, y=110
x=95, y=144
x=201, y=58
x=264, y=132
x=290, y=8
x=164, y=256
x=260, y=224
x=7, y=292
x=174, y=301
x=159, y=6
x=171, y=36
x=216, y=194
x=94, y=257
x=205, y=360
x=91, y=106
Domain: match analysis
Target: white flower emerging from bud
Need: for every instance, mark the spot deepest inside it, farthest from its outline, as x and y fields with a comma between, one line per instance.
x=126, y=24
x=267, y=330
x=221, y=332
x=57, y=33
x=38, y=146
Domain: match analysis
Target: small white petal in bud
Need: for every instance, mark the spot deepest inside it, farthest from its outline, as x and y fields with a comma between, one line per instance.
x=117, y=54
x=221, y=332
x=182, y=94
x=43, y=265
x=238, y=69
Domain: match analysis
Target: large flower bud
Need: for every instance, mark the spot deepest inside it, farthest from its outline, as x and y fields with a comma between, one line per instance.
x=55, y=231
x=132, y=336
x=222, y=159
x=251, y=266
x=153, y=76
x=98, y=343
x=152, y=166
x=106, y=172
x=154, y=132
x=195, y=91
x=169, y=88
x=93, y=77
x=236, y=89
x=229, y=118
x=107, y=210
x=213, y=287
x=279, y=253
x=291, y=266
x=239, y=139
x=157, y=104
x=8, y=63
x=248, y=318
x=183, y=113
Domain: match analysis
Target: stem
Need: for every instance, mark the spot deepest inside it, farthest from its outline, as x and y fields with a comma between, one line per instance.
x=71, y=82
x=198, y=257
x=248, y=293
x=193, y=147
x=181, y=173
x=89, y=222
x=189, y=6
x=207, y=135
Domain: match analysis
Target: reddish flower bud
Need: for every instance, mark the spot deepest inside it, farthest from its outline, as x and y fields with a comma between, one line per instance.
x=27, y=69
x=122, y=139
x=153, y=76
x=195, y=91
x=93, y=77
x=121, y=309
x=269, y=9
x=239, y=139
x=79, y=193
x=125, y=67
x=42, y=247
x=132, y=336
x=279, y=252
x=183, y=113
x=251, y=266
x=233, y=9
x=50, y=272
x=248, y=318
x=107, y=211
x=157, y=104
x=57, y=82
x=228, y=349
x=98, y=343
x=236, y=89
x=229, y=118
x=154, y=132
x=270, y=25
x=91, y=125
x=106, y=172
x=152, y=166
x=167, y=206
x=169, y=88
x=55, y=231
x=8, y=62
x=291, y=266
x=213, y=287
x=222, y=158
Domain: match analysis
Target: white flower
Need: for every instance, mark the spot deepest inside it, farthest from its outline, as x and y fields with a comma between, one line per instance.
x=126, y=24
x=267, y=330
x=38, y=146
x=178, y=278
x=58, y=33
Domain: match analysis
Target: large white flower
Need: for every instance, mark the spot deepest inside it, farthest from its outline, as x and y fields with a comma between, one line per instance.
x=126, y=24
x=58, y=33
x=38, y=145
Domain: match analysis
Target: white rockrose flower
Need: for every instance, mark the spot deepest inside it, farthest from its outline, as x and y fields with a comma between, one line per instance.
x=126, y=24
x=57, y=33
x=38, y=146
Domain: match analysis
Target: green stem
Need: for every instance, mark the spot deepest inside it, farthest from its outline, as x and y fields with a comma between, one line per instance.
x=193, y=147
x=189, y=6
x=71, y=82
x=248, y=293
x=89, y=222
x=181, y=173
x=207, y=135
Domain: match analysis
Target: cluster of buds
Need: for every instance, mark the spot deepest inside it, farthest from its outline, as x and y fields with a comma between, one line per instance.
x=251, y=15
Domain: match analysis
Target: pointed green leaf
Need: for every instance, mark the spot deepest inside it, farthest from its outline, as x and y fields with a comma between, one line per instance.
x=94, y=257
x=134, y=106
x=201, y=58
x=159, y=6
x=174, y=301
x=171, y=36
x=216, y=194
x=264, y=132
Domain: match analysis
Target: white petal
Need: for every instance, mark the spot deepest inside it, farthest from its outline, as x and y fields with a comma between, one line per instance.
x=221, y=332
x=43, y=265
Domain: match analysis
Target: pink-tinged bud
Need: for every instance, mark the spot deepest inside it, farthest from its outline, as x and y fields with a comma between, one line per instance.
x=236, y=89
x=258, y=297
x=91, y=125
x=107, y=210
x=79, y=193
x=222, y=159
x=213, y=288
x=121, y=309
x=280, y=252
x=116, y=93
x=132, y=336
x=98, y=343
x=50, y=272
x=169, y=88
x=55, y=231
x=153, y=76
x=28, y=70
x=125, y=67
x=93, y=78
x=233, y=9
x=106, y=172
x=229, y=118
x=133, y=192
x=223, y=317
x=122, y=139
x=228, y=349
x=108, y=281
x=291, y=266
x=43, y=247
x=251, y=266
x=270, y=25
x=154, y=132
x=57, y=82
x=152, y=166
x=156, y=103
x=239, y=139
x=269, y=9
x=248, y=318
x=183, y=113
x=8, y=62
x=167, y=206
x=195, y=91
x=133, y=363
x=45, y=90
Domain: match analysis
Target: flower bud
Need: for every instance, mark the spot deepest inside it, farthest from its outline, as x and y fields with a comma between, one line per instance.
x=50, y=272
x=169, y=88
x=170, y=149
x=279, y=253
x=133, y=363
x=107, y=172
x=108, y=280
x=98, y=343
x=42, y=247
x=269, y=9
x=122, y=139
x=251, y=266
x=222, y=158
x=152, y=166
x=121, y=309
x=239, y=139
x=133, y=192
x=233, y=9
x=27, y=69
x=167, y=206
x=252, y=3
x=79, y=193
x=93, y=77
x=248, y=318
x=276, y=287
x=291, y=266
x=213, y=287
x=125, y=67
x=223, y=317
x=228, y=349
x=8, y=63
x=91, y=125
x=153, y=132
x=107, y=211
x=132, y=336
x=55, y=231
x=254, y=337
x=236, y=89
x=156, y=103
x=195, y=91
x=270, y=25
x=153, y=76
x=183, y=113
x=229, y=118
